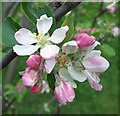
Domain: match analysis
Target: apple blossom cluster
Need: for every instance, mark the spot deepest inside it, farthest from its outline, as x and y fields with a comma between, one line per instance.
x=75, y=60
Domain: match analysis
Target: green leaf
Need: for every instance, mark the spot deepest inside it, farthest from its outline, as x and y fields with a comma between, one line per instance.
x=107, y=50
x=51, y=80
x=96, y=34
x=9, y=27
x=34, y=14
x=69, y=22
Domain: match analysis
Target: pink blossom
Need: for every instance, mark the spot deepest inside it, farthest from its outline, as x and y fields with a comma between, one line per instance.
x=37, y=87
x=46, y=87
x=84, y=40
x=33, y=61
x=89, y=29
x=30, y=77
x=64, y=92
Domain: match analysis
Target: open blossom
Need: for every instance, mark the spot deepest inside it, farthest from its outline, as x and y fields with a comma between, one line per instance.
x=86, y=67
x=64, y=92
x=32, y=42
x=33, y=61
x=30, y=77
x=68, y=48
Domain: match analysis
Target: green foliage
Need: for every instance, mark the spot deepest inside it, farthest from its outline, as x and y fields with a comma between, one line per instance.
x=9, y=28
x=51, y=80
x=107, y=50
x=69, y=22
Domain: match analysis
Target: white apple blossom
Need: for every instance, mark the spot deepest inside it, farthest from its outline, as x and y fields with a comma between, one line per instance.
x=32, y=42
x=86, y=67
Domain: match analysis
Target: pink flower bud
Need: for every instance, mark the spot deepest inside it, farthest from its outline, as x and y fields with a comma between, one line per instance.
x=84, y=31
x=29, y=78
x=95, y=29
x=64, y=93
x=37, y=87
x=84, y=40
x=78, y=29
x=33, y=61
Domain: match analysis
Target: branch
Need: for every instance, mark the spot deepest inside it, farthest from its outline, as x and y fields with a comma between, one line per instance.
x=102, y=11
x=61, y=11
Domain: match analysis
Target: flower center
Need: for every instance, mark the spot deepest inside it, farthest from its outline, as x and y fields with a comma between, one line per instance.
x=79, y=66
x=42, y=40
x=63, y=61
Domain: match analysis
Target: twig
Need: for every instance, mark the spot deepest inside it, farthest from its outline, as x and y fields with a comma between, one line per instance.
x=102, y=11
x=3, y=110
x=61, y=11
x=49, y=102
x=58, y=110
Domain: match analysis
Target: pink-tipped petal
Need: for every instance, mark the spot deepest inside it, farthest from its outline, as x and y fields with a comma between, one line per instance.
x=33, y=61
x=96, y=64
x=58, y=94
x=94, y=85
x=37, y=87
x=49, y=52
x=30, y=78
x=84, y=40
x=25, y=37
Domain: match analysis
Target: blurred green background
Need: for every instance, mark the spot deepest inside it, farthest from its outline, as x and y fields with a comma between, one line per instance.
x=87, y=100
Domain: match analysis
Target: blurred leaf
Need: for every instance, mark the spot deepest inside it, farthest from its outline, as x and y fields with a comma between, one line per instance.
x=107, y=50
x=51, y=80
x=9, y=27
x=34, y=14
x=29, y=11
x=96, y=34
x=69, y=22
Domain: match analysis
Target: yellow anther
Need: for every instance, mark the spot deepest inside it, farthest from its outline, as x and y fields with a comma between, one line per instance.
x=34, y=33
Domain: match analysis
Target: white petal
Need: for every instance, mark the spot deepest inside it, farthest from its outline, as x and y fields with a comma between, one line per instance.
x=92, y=53
x=25, y=37
x=44, y=24
x=91, y=75
x=49, y=65
x=86, y=50
x=66, y=76
x=70, y=47
x=96, y=64
x=49, y=52
x=25, y=50
x=59, y=35
x=76, y=75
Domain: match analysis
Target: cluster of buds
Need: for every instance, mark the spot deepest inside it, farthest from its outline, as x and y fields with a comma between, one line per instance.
x=75, y=60
x=86, y=30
